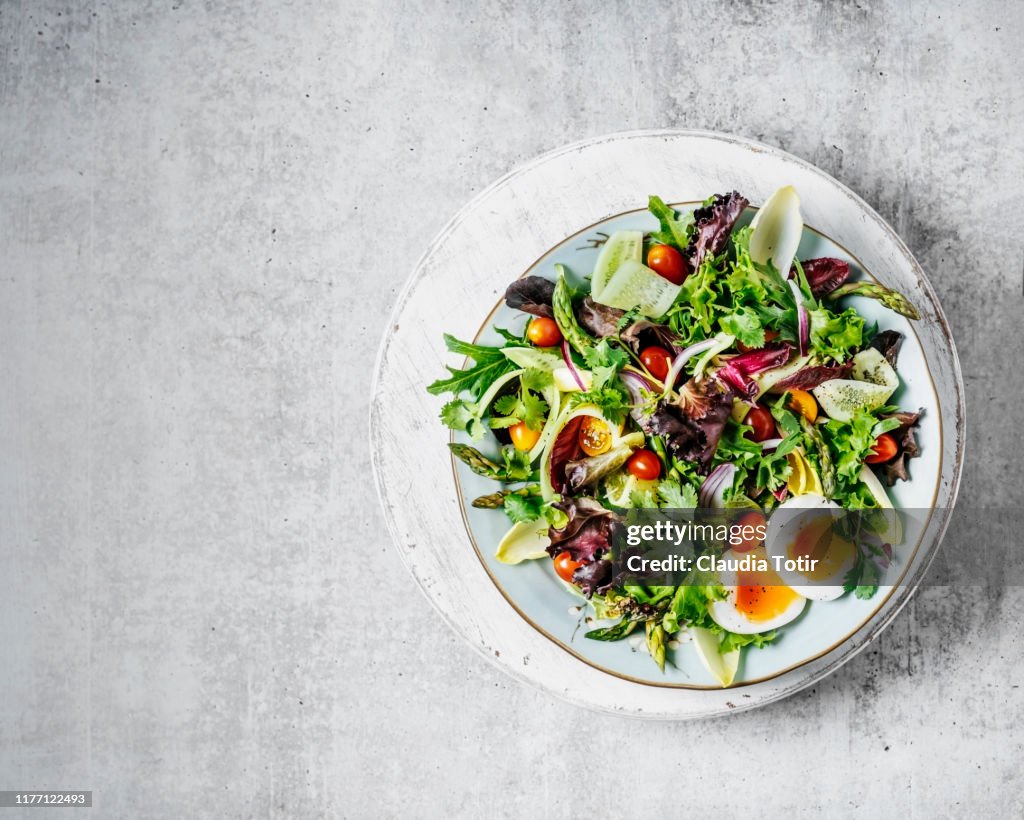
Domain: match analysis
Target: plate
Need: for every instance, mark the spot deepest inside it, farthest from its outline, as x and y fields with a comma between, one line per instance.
x=543, y=213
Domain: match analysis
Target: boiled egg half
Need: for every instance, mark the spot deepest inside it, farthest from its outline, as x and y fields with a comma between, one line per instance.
x=757, y=599
x=809, y=555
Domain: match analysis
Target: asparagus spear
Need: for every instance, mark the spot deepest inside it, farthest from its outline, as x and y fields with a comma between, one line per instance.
x=892, y=299
x=561, y=303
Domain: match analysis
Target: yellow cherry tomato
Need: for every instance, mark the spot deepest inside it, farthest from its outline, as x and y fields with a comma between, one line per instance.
x=804, y=403
x=595, y=437
x=523, y=438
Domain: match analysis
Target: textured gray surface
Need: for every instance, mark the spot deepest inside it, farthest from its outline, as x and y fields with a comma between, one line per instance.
x=205, y=213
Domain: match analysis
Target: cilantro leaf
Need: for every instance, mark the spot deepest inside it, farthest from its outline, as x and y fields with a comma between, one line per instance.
x=604, y=362
x=459, y=414
x=523, y=508
x=612, y=401
x=676, y=495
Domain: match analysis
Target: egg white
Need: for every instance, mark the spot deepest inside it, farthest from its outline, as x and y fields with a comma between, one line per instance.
x=797, y=514
x=726, y=614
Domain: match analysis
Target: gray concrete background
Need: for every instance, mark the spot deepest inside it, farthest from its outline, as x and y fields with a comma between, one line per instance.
x=206, y=211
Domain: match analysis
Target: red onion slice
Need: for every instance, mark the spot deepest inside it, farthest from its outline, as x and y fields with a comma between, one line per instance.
x=770, y=444
x=572, y=368
x=712, y=491
x=802, y=317
x=687, y=354
x=635, y=384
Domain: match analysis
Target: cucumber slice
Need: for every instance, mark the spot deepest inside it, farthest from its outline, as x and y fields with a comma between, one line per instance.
x=841, y=398
x=766, y=380
x=871, y=366
x=636, y=285
x=530, y=357
x=553, y=398
x=620, y=247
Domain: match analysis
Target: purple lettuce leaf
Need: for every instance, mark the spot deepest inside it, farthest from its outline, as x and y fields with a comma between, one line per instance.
x=896, y=469
x=825, y=274
x=812, y=376
x=587, y=535
x=693, y=427
x=888, y=343
x=531, y=294
x=737, y=371
x=712, y=225
x=598, y=320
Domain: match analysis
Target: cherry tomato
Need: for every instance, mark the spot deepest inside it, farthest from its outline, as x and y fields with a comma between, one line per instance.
x=760, y=418
x=668, y=263
x=565, y=566
x=804, y=403
x=749, y=527
x=884, y=450
x=544, y=332
x=594, y=436
x=523, y=438
x=645, y=465
x=657, y=360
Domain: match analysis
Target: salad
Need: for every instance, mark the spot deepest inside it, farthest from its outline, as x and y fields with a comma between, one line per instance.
x=698, y=366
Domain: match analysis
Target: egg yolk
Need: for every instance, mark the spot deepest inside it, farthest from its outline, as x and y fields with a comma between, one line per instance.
x=761, y=596
x=817, y=541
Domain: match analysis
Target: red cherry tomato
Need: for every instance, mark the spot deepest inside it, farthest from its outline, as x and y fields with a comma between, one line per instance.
x=748, y=529
x=760, y=418
x=565, y=566
x=884, y=450
x=544, y=332
x=668, y=263
x=645, y=465
x=657, y=360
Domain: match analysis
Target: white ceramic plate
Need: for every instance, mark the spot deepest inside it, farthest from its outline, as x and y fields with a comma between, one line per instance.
x=518, y=616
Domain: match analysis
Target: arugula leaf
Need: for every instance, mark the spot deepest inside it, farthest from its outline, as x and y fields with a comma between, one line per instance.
x=786, y=420
x=489, y=364
x=675, y=230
